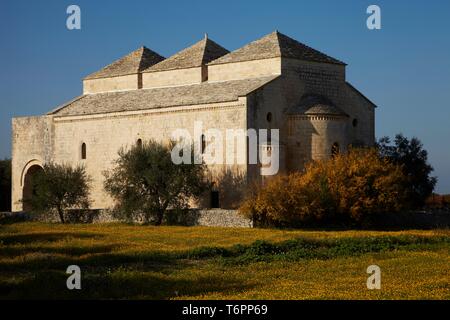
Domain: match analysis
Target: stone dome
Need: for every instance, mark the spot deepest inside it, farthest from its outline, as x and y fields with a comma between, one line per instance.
x=312, y=104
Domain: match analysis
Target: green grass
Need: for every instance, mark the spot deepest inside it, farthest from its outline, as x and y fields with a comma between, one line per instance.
x=143, y=262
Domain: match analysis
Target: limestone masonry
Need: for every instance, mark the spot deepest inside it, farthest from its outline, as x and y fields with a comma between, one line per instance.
x=272, y=83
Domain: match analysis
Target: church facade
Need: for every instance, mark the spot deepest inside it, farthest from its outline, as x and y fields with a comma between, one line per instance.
x=274, y=82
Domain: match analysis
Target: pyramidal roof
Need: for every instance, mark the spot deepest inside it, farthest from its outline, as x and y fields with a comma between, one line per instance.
x=132, y=63
x=196, y=55
x=275, y=45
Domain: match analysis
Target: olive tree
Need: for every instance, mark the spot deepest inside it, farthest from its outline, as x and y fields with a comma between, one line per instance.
x=145, y=180
x=59, y=187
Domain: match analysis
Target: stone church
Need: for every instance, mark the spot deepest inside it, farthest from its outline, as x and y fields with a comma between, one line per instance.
x=274, y=82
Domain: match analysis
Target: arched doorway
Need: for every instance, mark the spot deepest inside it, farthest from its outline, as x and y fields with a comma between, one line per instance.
x=29, y=185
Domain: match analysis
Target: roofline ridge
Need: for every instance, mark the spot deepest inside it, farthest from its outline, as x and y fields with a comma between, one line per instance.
x=334, y=60
x=360, y=93
x=205, y=40
x=149, y=69
x=88, y=77
x=150, y=51
x=277, y=34
x=66, y=104
x=239, y=88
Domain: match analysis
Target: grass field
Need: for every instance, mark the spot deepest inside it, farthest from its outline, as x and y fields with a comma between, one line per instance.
x=145, y=262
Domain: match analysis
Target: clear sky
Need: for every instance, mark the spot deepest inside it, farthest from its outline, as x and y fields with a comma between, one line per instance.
x=404, y=67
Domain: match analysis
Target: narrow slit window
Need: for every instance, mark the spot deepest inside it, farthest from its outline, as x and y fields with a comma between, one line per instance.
x=83, y=151
x=203, y=146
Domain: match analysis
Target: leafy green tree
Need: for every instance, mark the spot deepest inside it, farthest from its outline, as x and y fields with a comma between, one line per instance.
x=414, y=161
x=5, y=185
x=59, y=187
x=145, y=181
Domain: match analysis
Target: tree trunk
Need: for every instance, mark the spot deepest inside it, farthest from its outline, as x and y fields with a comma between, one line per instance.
x=159, y=217
x=61, y=215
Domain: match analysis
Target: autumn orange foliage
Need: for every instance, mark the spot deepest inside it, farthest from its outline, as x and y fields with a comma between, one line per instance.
x=348, y=187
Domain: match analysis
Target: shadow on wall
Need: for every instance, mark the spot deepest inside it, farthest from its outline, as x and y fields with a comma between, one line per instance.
x=226, y=190
x=300, y=143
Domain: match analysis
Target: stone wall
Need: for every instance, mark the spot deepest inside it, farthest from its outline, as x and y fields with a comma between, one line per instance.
x=213, y=218
x=59, y=139
x=202, y=217
x=37, y=140
x=244, y=70
x=32, y=144
x=312, y=137
x=128, y=82
x=329, y=80
x=177, y=77
x=427, y=219
x=364, y=113
x=274, y=98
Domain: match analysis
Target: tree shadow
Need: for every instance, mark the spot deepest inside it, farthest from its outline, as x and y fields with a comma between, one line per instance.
x=46, y=237
x=8, y=251
x=51, y=284
x=148, y=275
x=230, y=183
x=33, y=266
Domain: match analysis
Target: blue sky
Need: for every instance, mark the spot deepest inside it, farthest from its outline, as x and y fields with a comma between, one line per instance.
x=404, y=67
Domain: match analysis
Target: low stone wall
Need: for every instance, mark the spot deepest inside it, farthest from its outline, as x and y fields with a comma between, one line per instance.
x=223, y=218
x=209, y=217
x=200, y=217
x=435, y=219
x=426, y=219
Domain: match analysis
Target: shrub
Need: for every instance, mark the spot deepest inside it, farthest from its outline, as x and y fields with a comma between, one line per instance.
x=5, y=185
x=347, y=188
x=304, y=248
x=287, y=200
x=59, y=187
x=145, y=182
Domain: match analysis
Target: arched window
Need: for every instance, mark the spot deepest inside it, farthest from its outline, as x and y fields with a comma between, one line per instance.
x=203, y=146
x=269, y=117
x=335, y=149
x=83, y=151
x=355, y=122
x=139, y=143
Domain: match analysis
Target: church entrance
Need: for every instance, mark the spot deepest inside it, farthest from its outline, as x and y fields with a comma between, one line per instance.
x=29, y=185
